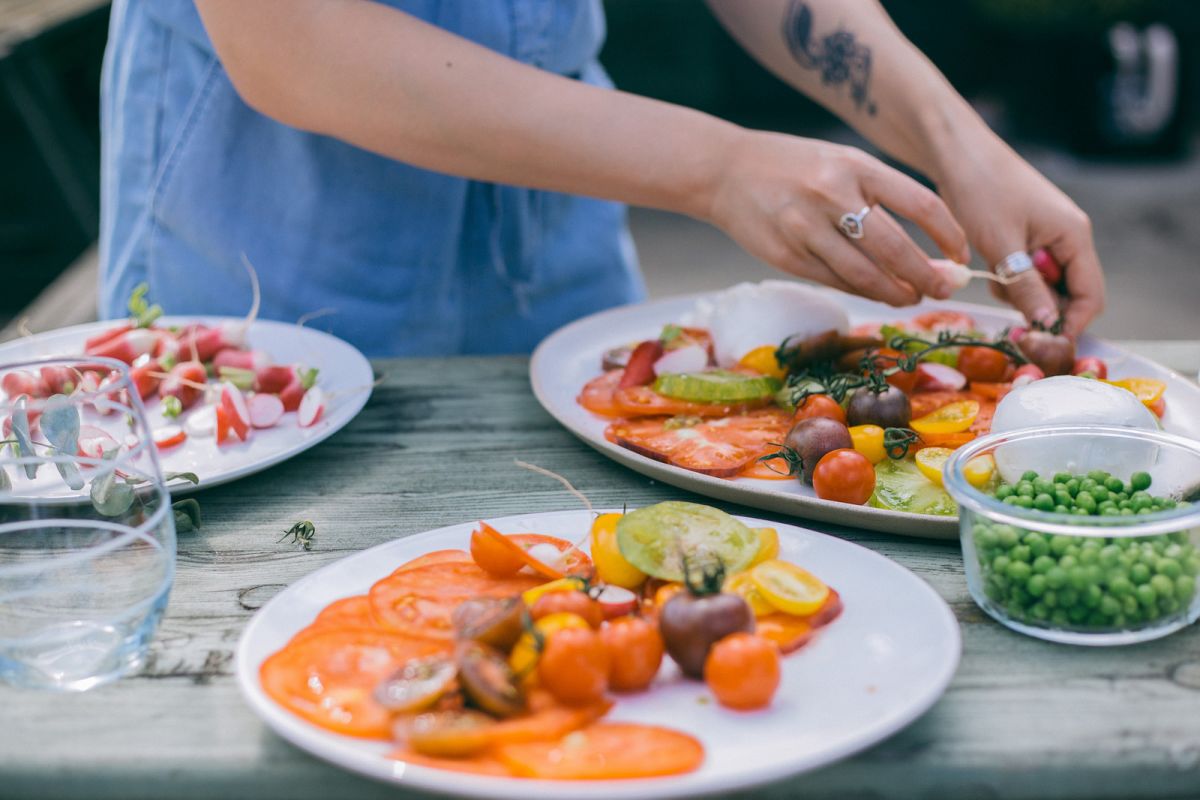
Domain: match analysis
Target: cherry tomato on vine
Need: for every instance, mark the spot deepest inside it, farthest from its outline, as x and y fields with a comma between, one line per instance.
x=982, y=364
x=572, y=603
x=885, y=358
x=637, y=650
x=819, y=405
x=846, y=476
x=743, y=671
x=574, y=666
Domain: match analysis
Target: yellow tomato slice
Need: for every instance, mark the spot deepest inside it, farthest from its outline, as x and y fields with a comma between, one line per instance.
x=931, y=460
x=768, y=545
x=762, y=359
x=789, y=588
x=1148, y=390
x=568, y=584
x=952, y=418
x=979, y=470
x=868, y=440
x=611, y=566
x=743, y=586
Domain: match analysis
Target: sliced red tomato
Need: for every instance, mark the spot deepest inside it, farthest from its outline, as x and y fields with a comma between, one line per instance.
x=721, y=447
x=574, y=561
x=420, y=601
x=992, y=391
x=598, y=394
x=606, y=751
x=436, y=557
x=935, y=321
x=329, y=678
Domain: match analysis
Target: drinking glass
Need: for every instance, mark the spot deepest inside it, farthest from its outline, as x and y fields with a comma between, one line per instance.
x=87, y=531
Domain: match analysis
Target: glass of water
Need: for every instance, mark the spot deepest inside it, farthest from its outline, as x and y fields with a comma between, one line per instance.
x=87, y=532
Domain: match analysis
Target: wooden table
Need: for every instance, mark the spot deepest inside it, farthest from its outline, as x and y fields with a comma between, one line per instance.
x=1023, y=718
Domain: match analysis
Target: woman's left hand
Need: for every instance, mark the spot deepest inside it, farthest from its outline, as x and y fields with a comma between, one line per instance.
x=1007, y=206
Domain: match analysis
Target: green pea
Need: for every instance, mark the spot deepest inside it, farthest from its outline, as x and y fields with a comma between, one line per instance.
x=1107, y=506
x=1163, y=586
x=1062, y=477
x=1068, y=561
x=1168, y=605
x=1037, y=544
x=1139, y=505
x=1100, y=494
x=1036, y=586
x=1091, y=596
x=1021, y=553
x=1000, y=564
x=1139, y=573
x=1043, y=564
x=1098, y=475
x=1061, y=510
x=1110, y=554
x=1077, y=577
x=1077, y=614
x=1129, y=605
x=1110, y=512
x=1059, y=544
x=1089, y=555
x=1025, y=489
x=1020, y=571
x=1114, y=484
x=1109, y=606
x=1063, y=498
x=1024, y=501
x=1126, y=512
x=1081, y=512
x=1029, y=475
x=1039, y=611
x=1011, y=500
x=1019, y=597
x=1173, y=550
x=1140, y=481
x=1146, y=595
x=1043, y=486
x=1059, y=618
x=1072, y=486
x=1095, y=619
x=1095, y=573
x=1003, y=491
x=1185, y=587
x=1085, y=501
x=1056, y=577
x=1120, y=586
x=1169, y=567
x=1050, y=598
x=985, y=538
x=1043, y=502
x=1007, y=536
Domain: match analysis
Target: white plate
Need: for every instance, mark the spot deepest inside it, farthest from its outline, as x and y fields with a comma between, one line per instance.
x=344, y=375
x=878, y=667
x=571, y=356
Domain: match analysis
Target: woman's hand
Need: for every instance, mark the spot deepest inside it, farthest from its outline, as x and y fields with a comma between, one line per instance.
x=1007, y=206
x=781, y=198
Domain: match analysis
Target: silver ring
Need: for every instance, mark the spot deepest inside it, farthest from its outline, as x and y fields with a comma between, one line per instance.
x=852, y=224
x=1013, y=265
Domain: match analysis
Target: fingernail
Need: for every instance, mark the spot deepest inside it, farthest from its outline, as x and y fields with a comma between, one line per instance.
x=1047, y=316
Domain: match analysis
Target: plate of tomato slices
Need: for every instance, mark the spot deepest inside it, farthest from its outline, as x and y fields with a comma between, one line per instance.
x=224, y=397
x=523, y=657
x=702, y=410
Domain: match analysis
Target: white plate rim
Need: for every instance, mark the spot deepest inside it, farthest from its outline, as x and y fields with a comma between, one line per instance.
x=334, y=422
x=316, y=741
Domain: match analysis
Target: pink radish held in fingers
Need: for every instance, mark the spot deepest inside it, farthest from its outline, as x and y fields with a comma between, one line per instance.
x=265, y=410
x=185, y=381
x=312, y=407
x=241, y=359
x=128, y=346
x=274, y=378
x=169, y=436
x=234, y=403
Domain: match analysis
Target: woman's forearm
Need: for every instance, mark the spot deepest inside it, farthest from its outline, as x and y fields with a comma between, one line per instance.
x=848, y=56
x=385, y=81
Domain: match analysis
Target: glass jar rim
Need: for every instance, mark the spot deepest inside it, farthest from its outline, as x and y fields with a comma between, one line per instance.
x=1155, y=523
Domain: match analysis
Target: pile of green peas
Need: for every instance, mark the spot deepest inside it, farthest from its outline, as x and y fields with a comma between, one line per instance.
x=1085, y=582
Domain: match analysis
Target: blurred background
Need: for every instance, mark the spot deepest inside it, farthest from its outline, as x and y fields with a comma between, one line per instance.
x=1103, y=96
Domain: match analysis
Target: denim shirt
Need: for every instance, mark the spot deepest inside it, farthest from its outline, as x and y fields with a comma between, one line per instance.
x=411, y=262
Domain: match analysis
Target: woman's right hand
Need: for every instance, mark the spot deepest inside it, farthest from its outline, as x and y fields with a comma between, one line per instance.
x=781, y=198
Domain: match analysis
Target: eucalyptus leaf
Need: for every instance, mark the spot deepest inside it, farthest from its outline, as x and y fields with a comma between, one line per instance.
x=20, y=430
x=60, y=424
x=110, y=497
x=187, y=515
x=70, y=473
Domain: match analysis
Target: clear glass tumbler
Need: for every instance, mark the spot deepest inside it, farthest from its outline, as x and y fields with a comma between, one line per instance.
x=87, y=532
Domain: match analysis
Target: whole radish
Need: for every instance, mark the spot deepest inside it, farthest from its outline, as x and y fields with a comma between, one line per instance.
x=241, y=359
x=185, y=382
x=275, y=378
x=128, y=346
x=93, y=342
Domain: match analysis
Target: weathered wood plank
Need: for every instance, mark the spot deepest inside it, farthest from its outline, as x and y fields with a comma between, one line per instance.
x=1022, y=719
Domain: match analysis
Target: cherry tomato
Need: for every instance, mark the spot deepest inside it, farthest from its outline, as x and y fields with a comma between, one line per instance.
x=1090, y=364
x=638, y=649
x=868, y=440
x=743, y=671
x=982, y=364
x=819, y=405
x=572, y=603
x=846, y=476
x=493, y=553
x=885, y=358
x=574, y=666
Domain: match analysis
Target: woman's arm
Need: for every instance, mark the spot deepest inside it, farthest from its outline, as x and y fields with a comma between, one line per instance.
x=848, y=56
x=385, y=81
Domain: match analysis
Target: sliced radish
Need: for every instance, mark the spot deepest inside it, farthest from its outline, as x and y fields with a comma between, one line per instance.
x=548, y=554
x=202, y=423
x=689, y=358
x=253, y=360
x=265, y=410
x=616, y=601
x=94, y=441
x=234, y=402
x=939, y=377
x=312, y=407
x=169, y=436
x=223, y=427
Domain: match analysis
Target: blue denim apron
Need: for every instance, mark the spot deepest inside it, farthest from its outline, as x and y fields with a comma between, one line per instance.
x=412, y=262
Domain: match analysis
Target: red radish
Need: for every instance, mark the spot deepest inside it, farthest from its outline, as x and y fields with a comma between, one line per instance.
x=184, y=381
x=1052, y=273
x=146, y=378
x=275, y=378
x=939, y=377
x=60, y=380
x=640, y=369
x=312, y=407
x=265, y=410
x=689, y=358
x=89, y=382
x=202, y=422
x=616, y=601
x=1027, y=373
x=169, y=436
x=234, y=403
x=19, y=382
x=93, y=342
x=1090, y=366
x=241, y=359
x=94, y=441
x=293, y=395
x=168, y=345
x=128, y=346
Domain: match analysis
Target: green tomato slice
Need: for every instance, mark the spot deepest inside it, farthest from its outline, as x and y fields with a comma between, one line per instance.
x=900, y=486
x=716, y=386
x=658, y=539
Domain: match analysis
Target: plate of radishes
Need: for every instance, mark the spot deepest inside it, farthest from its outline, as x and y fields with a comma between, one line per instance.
x=224, y=397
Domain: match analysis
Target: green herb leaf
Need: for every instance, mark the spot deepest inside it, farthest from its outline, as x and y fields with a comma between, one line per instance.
x=670, y=333
x=308, y=378
x=142, y=312
x=171, y=407
x=302, y=533
x=187, y=515
x=241, y=378
x=110, y=497
x=20, y=431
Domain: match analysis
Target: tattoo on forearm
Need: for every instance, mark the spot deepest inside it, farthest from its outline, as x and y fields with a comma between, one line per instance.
x=840, y=58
